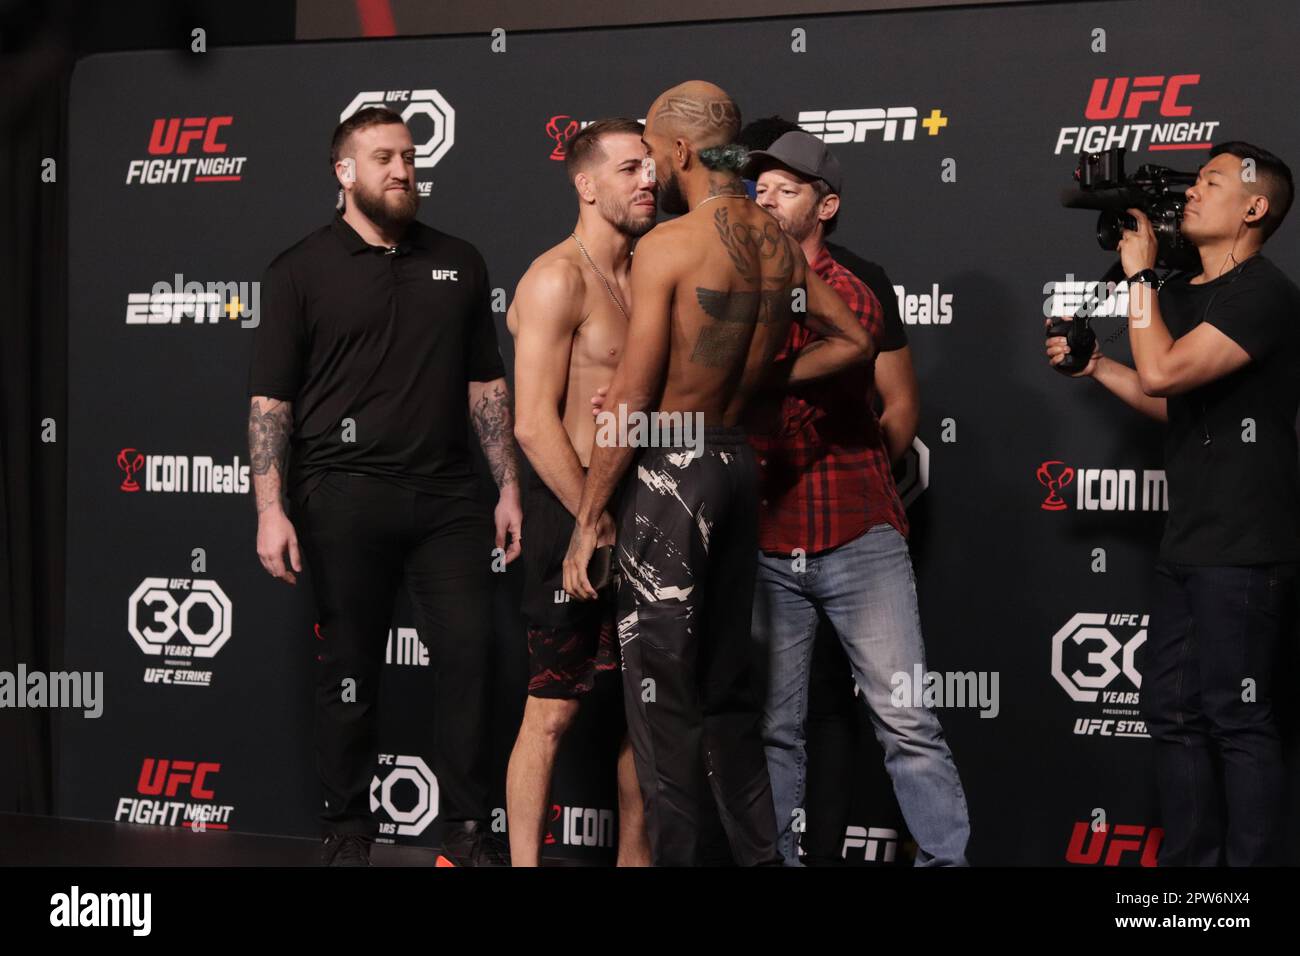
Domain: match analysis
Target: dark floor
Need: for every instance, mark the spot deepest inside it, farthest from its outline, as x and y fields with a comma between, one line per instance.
x=50, y=841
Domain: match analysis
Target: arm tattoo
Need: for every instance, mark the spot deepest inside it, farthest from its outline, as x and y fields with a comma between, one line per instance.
x=493, y=422
x=269, y=427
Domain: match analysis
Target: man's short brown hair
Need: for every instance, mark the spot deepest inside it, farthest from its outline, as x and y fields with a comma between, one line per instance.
x=361, y=119
x=585, y=149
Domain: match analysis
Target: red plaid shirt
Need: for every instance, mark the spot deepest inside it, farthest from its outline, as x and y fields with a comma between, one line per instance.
x=825, y=476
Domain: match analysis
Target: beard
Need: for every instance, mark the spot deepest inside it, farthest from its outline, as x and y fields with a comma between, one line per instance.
x=389, y=215
x=800, y=229
x=671, y=198
x=624, y=220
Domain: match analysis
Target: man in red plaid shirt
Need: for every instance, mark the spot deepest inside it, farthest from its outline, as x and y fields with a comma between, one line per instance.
x=832, y=534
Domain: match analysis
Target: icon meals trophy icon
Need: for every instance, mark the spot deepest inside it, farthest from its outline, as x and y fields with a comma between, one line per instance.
x=130, y=461
x=1053, y=501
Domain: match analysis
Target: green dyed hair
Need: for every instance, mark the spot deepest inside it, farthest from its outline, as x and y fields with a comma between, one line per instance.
x=731, y=156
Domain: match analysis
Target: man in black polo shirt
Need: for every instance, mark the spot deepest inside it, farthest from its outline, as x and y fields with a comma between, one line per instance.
x=1217, y=357
x=376, y=343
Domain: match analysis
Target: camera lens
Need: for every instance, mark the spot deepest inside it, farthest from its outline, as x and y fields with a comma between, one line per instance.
x=1109, y=229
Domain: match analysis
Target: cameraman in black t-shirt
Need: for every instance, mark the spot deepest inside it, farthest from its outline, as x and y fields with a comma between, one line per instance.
x=1217, y=357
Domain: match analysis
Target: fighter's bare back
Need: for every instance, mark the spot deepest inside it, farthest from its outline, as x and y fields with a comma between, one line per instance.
x=731, y=306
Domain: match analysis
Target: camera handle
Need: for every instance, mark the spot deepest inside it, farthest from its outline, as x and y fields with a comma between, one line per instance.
x=1078, y=333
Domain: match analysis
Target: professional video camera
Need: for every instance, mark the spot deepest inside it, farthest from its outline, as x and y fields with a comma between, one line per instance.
x=1159, y=192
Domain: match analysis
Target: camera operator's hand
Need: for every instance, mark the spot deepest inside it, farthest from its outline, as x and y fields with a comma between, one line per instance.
x=1058, y=348
x=1138, y=248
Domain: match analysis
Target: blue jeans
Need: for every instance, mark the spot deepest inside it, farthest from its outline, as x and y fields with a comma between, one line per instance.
x=866, y=590
x=1218, y=752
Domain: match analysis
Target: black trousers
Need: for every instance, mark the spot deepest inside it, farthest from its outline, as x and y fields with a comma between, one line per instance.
x=687, y=547
x=1208, y=689
x=362, y=538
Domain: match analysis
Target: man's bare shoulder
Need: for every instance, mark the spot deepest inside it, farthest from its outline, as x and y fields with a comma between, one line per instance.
x=667, y=244
x=552, y=288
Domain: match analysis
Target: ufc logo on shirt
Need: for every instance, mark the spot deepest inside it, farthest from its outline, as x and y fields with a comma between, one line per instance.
x=445, y=274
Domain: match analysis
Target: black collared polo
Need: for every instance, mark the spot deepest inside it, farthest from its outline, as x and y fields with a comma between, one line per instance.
x=376, y=347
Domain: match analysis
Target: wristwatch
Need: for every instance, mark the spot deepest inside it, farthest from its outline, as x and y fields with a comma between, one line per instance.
x=1149, y=276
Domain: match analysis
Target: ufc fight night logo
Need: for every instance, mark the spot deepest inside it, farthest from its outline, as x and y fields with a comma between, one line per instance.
x=192, y=779
x=420, y=110
x=187, y=149
x=1164, y=101
x=1107, y=844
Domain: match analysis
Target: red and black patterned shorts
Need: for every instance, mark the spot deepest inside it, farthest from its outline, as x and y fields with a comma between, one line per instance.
x=569, y=641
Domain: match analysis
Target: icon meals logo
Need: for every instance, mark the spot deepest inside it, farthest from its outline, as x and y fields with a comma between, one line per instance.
x=199, y=474
x=1102, y=489
x=580, y=826
x=561, y=128
x=421, y=110
x=190, y=149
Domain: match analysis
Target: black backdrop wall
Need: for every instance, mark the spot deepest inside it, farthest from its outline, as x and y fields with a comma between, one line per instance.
x=207, y=661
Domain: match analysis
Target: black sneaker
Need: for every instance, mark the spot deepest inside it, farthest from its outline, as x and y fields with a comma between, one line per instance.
x=348, y=849
x=471, y=844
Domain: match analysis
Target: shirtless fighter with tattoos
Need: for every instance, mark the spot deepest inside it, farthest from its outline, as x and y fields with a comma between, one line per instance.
x=713, y=294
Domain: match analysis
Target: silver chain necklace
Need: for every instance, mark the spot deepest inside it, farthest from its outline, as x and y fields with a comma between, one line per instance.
x=719, y=196
x=596, y=269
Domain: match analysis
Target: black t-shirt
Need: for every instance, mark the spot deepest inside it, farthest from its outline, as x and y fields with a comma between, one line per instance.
x=1233, y=501
x=376, y=349
x=893, y=337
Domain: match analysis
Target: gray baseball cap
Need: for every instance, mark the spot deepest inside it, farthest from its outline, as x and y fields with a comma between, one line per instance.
x=802, y=152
